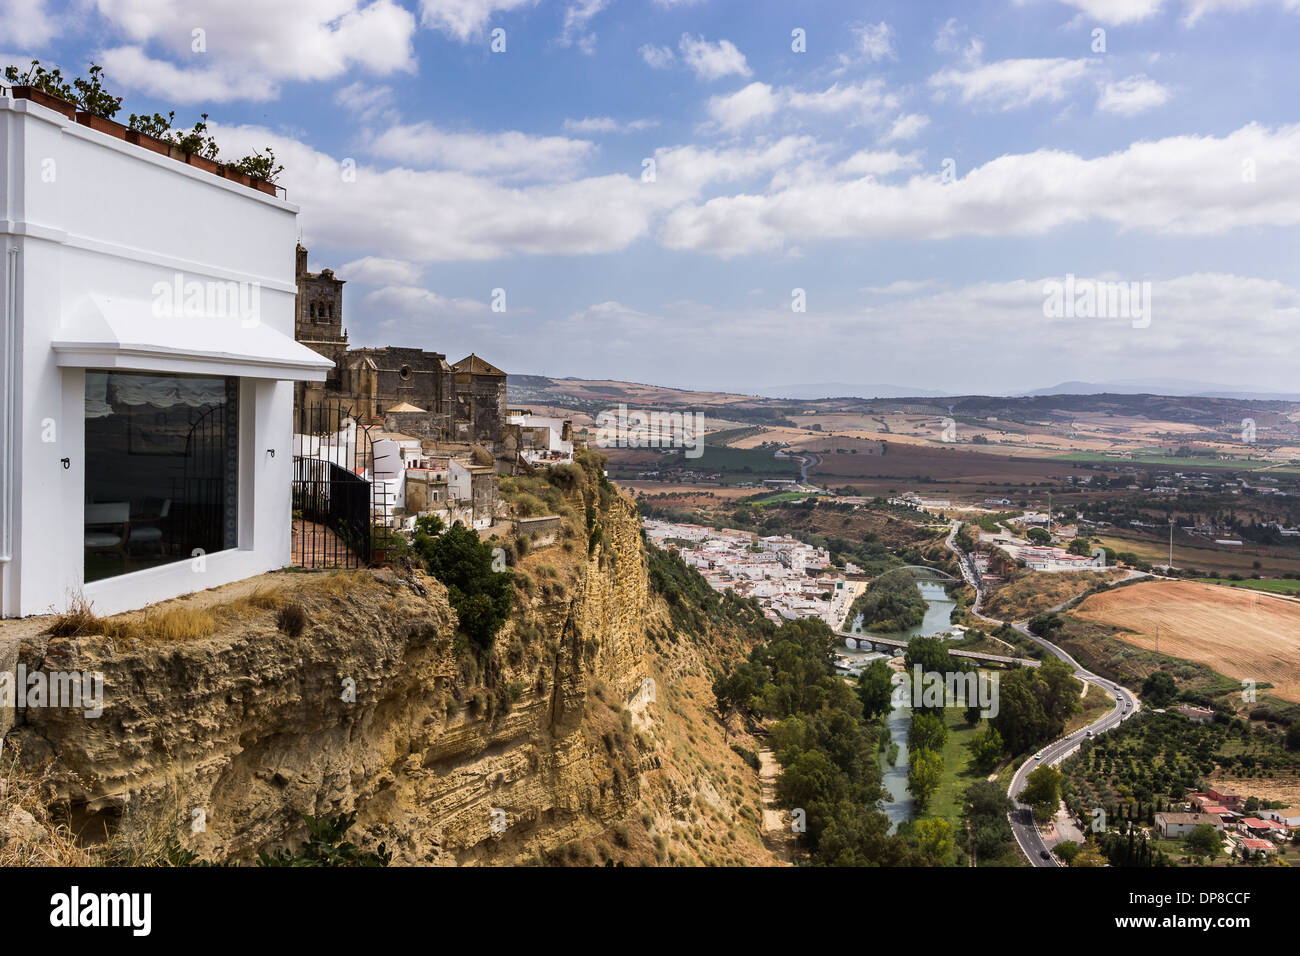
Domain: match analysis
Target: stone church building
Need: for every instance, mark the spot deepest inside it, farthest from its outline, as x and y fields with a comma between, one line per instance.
x=403, y=390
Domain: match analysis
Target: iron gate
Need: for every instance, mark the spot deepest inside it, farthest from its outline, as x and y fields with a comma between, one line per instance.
x=334, y=505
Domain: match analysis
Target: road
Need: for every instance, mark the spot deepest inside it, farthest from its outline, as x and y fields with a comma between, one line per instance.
x=1027, y=834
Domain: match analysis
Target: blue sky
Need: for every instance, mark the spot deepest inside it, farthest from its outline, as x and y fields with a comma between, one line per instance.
x=920, y=171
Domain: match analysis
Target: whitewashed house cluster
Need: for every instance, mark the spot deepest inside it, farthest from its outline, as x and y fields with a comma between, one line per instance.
x=146, y=381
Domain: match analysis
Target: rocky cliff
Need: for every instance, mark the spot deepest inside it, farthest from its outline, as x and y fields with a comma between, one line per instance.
x=574, y=734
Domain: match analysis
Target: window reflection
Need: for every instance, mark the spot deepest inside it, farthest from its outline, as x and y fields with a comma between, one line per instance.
x=161, y=469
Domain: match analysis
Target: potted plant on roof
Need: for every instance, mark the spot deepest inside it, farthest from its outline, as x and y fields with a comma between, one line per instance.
x=199, y=148
x=260, y=169
x=151, y=132
x=43, y=86
x=98, y=106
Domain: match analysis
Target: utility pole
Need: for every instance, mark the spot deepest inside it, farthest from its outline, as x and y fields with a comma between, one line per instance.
x=1171, y=543
x=1049, y=512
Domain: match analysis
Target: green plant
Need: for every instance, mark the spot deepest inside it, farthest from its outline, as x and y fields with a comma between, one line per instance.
x=47, y=81
x=326, y=846
x=157, y=125
x=197, y=141
x=259, y=166
x=93, y=98
x=481, y=596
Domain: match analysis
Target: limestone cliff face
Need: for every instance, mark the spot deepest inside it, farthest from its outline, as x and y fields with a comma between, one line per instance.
x=374, y=707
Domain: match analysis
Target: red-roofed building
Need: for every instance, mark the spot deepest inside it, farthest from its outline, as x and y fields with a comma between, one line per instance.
x=1258, y=826
x=1225, y=797
x=1254, y=845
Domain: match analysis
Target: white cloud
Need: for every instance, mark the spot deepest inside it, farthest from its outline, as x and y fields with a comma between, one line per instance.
x=948, y=37
x=868, y=163
x=132, y=68
x=607, y=124
x=906, y=126
x=421, y=215
x=465, y=19
x=1194, y=10
x=875, y=42
x=689, y=168
x=1010, y=84
x=250, y=46
x=904, y=287
x=865, y=101
x=753, y=103
x=375, y=270
x=712, y=61
x=509, y=153
x=1117, y=12
x=400, y=303
x=1182, y=185
x=1113, y=12
x=1132, y=95
x=26, y=25
x=658, y=57
x=359, y=97
x=577, y=15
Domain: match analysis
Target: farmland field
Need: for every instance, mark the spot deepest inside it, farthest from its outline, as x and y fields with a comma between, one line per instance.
x=1245, y=635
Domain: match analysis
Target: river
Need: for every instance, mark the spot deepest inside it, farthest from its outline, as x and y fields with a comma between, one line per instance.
x=938, y=619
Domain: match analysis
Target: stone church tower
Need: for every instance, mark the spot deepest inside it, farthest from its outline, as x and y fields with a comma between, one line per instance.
x=318, y=325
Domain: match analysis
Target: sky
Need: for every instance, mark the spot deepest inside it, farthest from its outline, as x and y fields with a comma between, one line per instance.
x=745, y=194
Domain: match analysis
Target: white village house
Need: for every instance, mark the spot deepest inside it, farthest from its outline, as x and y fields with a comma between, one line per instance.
x=146, y=380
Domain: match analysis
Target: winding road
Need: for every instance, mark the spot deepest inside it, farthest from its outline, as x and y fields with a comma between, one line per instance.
x=1027, y=833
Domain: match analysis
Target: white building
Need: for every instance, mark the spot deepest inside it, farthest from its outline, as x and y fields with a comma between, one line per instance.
x=146, y=386
x=1287, y=816
x=547, y=440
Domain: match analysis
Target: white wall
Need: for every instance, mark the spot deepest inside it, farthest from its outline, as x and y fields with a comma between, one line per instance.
x=90, y=214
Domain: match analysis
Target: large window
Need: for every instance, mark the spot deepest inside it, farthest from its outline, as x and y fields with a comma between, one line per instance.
x=161, y=469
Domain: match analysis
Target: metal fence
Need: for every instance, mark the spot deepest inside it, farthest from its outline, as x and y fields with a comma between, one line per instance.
x=334, y=505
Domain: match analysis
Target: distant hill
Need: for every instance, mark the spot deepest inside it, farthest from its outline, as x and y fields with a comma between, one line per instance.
x=842, y=390
x=1168, y=386
x=1060, y=404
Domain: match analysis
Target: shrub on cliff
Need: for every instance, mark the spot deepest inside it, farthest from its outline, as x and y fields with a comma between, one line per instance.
x=326, y=846
x=481, y=596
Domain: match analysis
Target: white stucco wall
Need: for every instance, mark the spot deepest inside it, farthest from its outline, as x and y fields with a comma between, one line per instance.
x=92, y=215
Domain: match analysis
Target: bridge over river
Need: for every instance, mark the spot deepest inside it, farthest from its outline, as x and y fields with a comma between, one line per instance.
x=871, y=642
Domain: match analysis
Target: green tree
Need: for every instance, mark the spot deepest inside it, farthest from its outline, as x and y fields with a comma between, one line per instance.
x=1293, y=736
x=923, y=776
x=987, y=749
x=875, y=689
x=1204, y=840
x=928, y=732
x=1020, y=718
x=1159, y=688
x=934, y=841
x=1043, y=792
x=481, y=596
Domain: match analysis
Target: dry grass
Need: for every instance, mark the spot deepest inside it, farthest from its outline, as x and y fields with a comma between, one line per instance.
x=140, y=837
x=25, y=793
x=175, y=622
x=172, y=624
x=1039, y=590
x=340, y=583
x=1243, y=634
